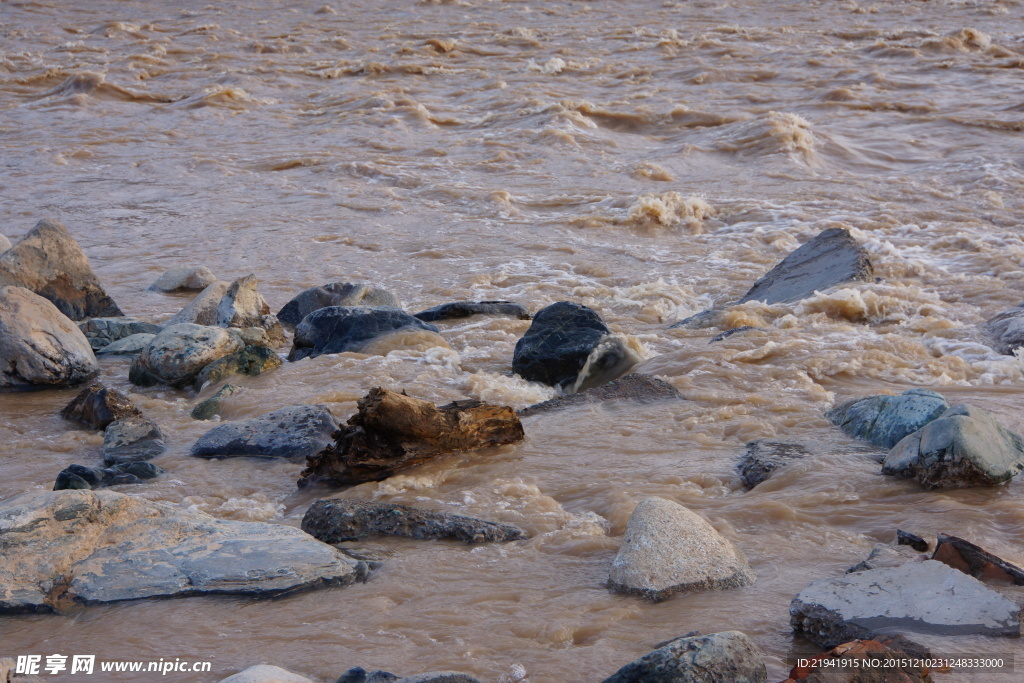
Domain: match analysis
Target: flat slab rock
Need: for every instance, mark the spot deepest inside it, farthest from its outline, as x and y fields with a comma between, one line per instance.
x=727, y=656
x=465, y=309
x=886, y=420
x=976, y=561
x=923, y=597
x=132, y=439
x=68, y=548
x=634, y=387
x=290, y=432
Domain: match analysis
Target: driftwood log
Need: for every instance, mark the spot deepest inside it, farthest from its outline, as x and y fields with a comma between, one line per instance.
x=391, y=432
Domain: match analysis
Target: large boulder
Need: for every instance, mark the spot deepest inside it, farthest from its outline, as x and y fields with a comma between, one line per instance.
x=831, y=258
x=334, y=294
x=923, y=597
x=203, y=309
x=339, y=519
x=67, y=548
x=762, y=458
x=184, y=278
x=131, y=439
x=965, y=447
x=102, y=332
x=726, y=657
x=49, y=262
x=39, y=346
x=668, y=550
x=465, y=309
x=633, y=387
x=243, y=306
x=886, y=420
x=97, y=406
x=1007, y=330
x=83, y=477
x=291, y=432
x=251, y=360
x=179, y=353
x=338, y=329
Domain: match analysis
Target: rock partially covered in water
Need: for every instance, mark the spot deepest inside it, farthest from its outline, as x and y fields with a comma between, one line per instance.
x=203, y=309
x=179, y=353
x=39, y=346
x=830, y=259
x=206, y=410
x=338, y=520
x=1007, y=329
x=63, y=548
x=924, y=597
x=337, y=329
x=131, y=439
x=764, y=457
x=243, y=306
x=264, y=673
x=184, y=278
x=360, y=675
x=976, y=561
x=102, y=332
x=82, y=477
x=886, y=420
x=669, y=550
x=250, y=361
x=720, y=657
x=50, y=263
x=633, y=387
x=334, y=294
x=97, y=406
x=465, y=309
x=913, y=540
x=129, y=346
x=899, y=661
x=291, y=432
x=393, y=432
x=965, y=447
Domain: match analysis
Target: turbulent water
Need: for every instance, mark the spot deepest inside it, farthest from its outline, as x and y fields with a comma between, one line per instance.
x=647, y=159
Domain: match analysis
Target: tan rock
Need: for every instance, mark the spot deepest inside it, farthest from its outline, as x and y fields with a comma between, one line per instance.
x=203, y=309
x=180, y=352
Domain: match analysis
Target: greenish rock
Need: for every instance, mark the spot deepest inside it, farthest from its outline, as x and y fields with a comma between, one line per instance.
x=886, y=420
x=251, y=361
x=213, y=406
x=729, y=656
x=129, y=346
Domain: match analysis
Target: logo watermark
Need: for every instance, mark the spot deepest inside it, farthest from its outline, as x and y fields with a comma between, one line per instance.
x=35, y=665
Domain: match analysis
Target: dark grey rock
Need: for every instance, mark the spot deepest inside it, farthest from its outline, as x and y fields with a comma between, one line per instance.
x=129, y=346
x=701, y=321
x=337, y=329
x=338, y=520
x=250, y=361
x=976, y=561
x=184, y=278
x=886, y=420
x=883, y=555
x=465, y=309
x=438, y=677
x=97, y=406
x=360, y=675
x=131, y=439
x=726, y=657
x=334, y=294
x=633, y=387
x=736, y=330
x=179, y=353
x=1007, y=330
x=291, y=432
x=764, y=457
x=102, y=332
x=82, y=477
x=913, y=540
x=213, y=406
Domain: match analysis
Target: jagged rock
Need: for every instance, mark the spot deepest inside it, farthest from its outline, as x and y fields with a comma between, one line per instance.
x=82, y=477
x=203, y=309
x=913, y=540
x=63, y=548
x=883, y=555
x=337, y=329
x=1007, y=329
x=633, y=387
x=886, y=420
x=131, y=439
x=184, y=278
x=568, y=346
x=668, y=550
x=39, y=346
x=393, y=432
x=764, y=457
x=129, y=346
x=894, y=653
x=727, y=656
x=242, y=305
x=334, y=294
x=465, y=309
x=338, y=520
x=290, y=432
x=925, y=597
x=97, y=406
x=264, y=673
x=976, y=561
x=965, y=447
x=251, y=361
x=101, y=332
x=179, y=353
x=213, y=406
x=50, y=263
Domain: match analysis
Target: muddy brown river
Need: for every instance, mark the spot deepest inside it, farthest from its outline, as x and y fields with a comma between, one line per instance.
x=646, y=158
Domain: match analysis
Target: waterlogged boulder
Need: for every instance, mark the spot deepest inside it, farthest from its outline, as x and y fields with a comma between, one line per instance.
x=97, y=406
x=830, y=259
x=334, y=294
x=131, y=439
x=338, y=329
x=636, y=387
x=976, y=561
x=886, y=420
x=923, y=597
x=251, y=361
x=264, y=673
x=203, y=309
x=465, y=309
x=129, y=346
x=1007, y=330
x=668, y=550
x=762, y=458
x=211, y=407
x=184, y=278
x=179, y=353
x=66, y=548
x=39, y=346
x=243, y=306
x=50, y=263
x=338, y=520
x=727, y=656
x=87, y=478
x=291, y=432
x=102, y=332
x=965, y=447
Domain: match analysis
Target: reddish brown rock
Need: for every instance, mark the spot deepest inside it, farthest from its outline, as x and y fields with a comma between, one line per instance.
x=97, y=406
x=978, y=562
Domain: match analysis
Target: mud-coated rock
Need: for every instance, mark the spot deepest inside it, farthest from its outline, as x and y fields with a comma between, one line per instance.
x=830, y=258
x=101, y=332
x=40, y=347
x=97, y=406
x=179, y=353
x=203, y=309
x=344, y=294
x=290, y=432
x=923, y=597
x=129, y=346
x=636, y=387
x=668, y=550
x=466, y=309
x=965, y=447
x=63, y=548
x=338, y=329
x=1007, y=330
x=131, y=439
x=726, y=657
x=976, y=561
x=762, y=458
x=50, y=263
x=184, y=278
x=250, y=361
x=206, y=410
x=886, y=420
x=338, y=520
x=83, y=477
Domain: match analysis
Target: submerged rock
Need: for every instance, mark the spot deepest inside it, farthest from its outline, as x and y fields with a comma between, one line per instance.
x=291, y=432
x=886, y=420
x=131, y=439
x=179, y=353
x=633, y=387
x=50, y=263
x=203, y=309
x=965, y=447
x=334, y=294
x=762, y=458
x=338, y=520
x=702, y=320
x=97, y=406
x=913, y=540
x=465, y=309
x=129, y=346
x=82, y=477
x=668, y=550
x=250, y=361
x=338, y=329
x=102, y=332
x=1007, y=330
x=393, y=432
x=976, y=561
x=39, y=346
x=184, y=278
x=66, y=548
x=729, y=656
x=213, y=406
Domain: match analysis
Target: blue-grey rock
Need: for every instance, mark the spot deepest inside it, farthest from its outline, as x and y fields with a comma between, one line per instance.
x=102, y=332
x=291, y=432
x=129, y=346
x=131, y=439
x=702, y=320
x=465, y=309
x=334, y=294
x=726, y=657
x=83, y=477
x=338, y=329
x=886, y=420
